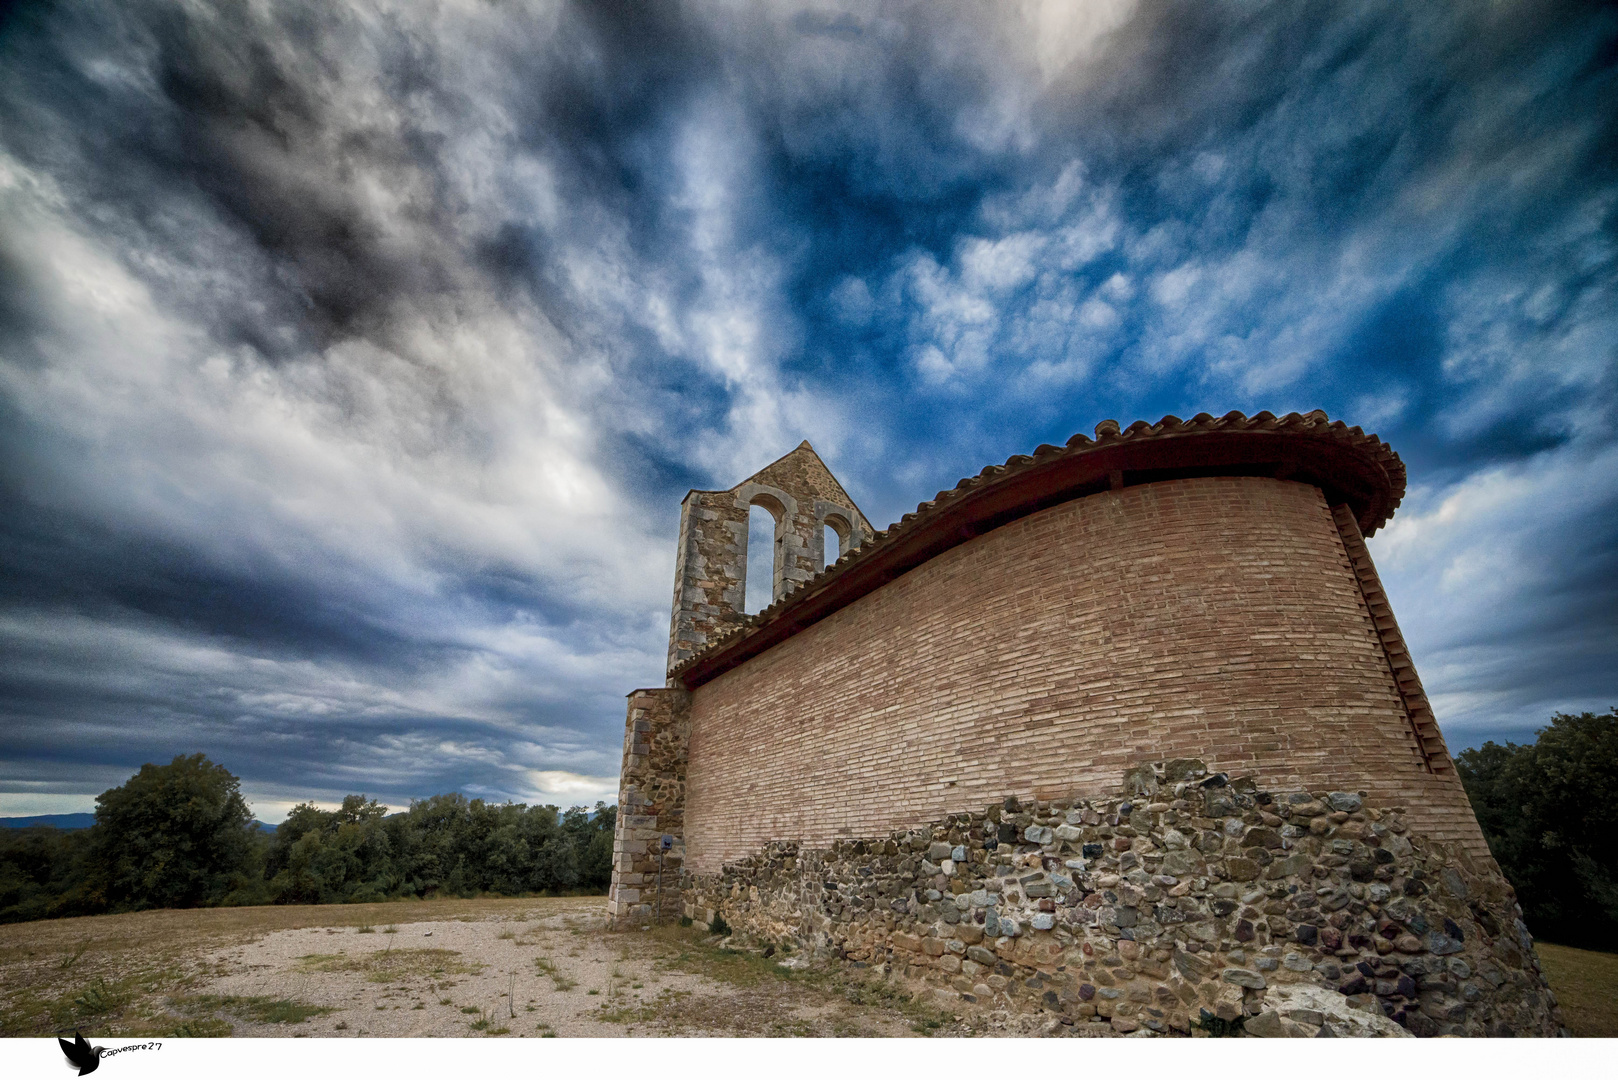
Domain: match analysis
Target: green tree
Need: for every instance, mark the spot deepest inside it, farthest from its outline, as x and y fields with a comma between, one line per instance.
x=174, y=835
x=595, y=848
x=333, y=856
x=180, y=835
x=1549, y=811
x=46, y=873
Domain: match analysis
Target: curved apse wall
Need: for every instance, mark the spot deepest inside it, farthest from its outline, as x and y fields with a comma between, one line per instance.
x=1216, y=617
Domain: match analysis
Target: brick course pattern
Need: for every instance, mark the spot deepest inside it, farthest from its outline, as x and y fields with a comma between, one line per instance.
x=1213, y=617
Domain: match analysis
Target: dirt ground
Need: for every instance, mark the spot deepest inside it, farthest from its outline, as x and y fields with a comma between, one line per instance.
x=516, y=968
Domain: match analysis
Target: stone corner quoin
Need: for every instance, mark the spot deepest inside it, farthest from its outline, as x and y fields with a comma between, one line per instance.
x=911, y=759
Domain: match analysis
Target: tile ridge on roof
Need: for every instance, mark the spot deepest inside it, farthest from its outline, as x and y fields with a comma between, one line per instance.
x=1107, y=433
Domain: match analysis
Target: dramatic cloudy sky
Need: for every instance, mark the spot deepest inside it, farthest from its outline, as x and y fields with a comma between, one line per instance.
x=354, y=356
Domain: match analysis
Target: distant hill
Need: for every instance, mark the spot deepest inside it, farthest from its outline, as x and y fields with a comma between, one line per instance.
x=60, y=821
x=75, y=821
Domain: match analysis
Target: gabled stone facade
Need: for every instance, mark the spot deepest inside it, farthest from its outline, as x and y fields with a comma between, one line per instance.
x=710, y=569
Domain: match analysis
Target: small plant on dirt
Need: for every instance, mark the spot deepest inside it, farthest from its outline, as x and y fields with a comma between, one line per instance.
x=641, y=1012
x=97, y=999
x=685, y=920
x=507, y=935
x=206, y=1028
x=342, y=1025
x=547, y=966
x=545, y=1031
x=418, y=1005
x=283, y=1011
x=446, y=1001
x=719, y=925
x=393, y=965
x=366, y=929
x=390, y=929
x=486, y=1025
x=470, y=1009
x=71, y=960
x=258, y=1010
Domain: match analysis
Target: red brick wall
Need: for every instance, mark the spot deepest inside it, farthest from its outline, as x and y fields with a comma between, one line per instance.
x=1216, y=618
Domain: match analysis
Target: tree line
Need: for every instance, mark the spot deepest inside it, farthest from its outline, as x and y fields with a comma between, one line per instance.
x=181, y=835
x=1549, y=810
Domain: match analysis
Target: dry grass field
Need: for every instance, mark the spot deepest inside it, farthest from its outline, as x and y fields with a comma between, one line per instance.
x=1586, y=986
x=526, y=967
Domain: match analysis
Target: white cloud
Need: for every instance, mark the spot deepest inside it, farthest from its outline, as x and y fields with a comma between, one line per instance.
x=1068, y=32
x=572, y=789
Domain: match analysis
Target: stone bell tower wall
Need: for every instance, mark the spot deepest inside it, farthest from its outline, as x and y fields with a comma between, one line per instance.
x=1217, y=617
x=710, y=571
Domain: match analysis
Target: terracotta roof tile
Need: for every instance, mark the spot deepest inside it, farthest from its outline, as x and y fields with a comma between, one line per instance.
x=1375, y=455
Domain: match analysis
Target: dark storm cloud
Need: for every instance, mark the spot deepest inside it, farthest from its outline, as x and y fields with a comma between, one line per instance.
x=353, y=358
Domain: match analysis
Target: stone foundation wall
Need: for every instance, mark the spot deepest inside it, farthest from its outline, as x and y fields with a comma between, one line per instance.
x=1193, y=898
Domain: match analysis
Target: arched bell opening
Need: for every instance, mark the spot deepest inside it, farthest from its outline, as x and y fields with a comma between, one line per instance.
x=838, y=537
x=761, y=578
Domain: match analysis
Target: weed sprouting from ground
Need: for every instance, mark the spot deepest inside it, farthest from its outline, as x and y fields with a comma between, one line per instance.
x=547, y=966
x=258, y=1010
x=486, y=1024
x=393, y=965
x=98, y=998
x=660, y=1008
